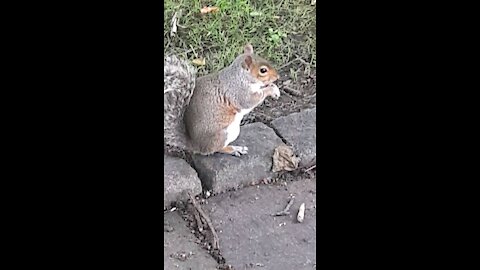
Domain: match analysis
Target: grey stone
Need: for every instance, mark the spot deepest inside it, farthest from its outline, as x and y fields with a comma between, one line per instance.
x=180, y=250
x=179, y=178
x=220, y=172
x=299, y=129
x=249, y=234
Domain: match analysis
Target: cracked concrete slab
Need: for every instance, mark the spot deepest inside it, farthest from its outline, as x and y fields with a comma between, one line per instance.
x=250, y=236
x=179, y=178
x=180, y=250
x=220, y=172
x=299, y=129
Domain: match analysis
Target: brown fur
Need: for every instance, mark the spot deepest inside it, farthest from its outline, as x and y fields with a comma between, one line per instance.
x=271, y=74
x=228, y=112
x=227, y=150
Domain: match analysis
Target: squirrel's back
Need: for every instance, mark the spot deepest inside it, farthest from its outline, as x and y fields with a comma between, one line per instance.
x=179, y=83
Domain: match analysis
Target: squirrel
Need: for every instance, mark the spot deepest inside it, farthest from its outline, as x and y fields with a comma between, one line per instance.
x=202, y=115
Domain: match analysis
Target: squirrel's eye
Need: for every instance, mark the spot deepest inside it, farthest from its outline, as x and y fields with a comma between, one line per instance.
x=263, y=70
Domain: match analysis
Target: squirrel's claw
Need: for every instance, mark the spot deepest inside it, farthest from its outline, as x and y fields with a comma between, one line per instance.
x=239, y=150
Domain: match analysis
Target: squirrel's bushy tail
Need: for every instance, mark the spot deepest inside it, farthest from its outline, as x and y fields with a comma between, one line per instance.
x=179, y=83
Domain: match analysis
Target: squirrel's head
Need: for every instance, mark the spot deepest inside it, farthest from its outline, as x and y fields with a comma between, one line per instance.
x=259, y=68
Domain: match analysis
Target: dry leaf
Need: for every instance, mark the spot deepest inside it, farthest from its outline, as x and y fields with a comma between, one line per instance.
x=174, y=24
x=199, y=61
x=284, y=159
x=206, y=10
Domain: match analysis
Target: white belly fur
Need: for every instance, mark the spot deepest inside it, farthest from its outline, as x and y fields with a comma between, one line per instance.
x=256, y=87
x=233, y=130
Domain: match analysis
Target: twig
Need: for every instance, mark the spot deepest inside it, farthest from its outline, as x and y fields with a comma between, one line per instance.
x=287, y=94
x=312, y=162
x=198, y=220
x=292, y=91
x=215, y=243
x=311, y=168
x=287, y=64
x=303, y=61
x=285, y=212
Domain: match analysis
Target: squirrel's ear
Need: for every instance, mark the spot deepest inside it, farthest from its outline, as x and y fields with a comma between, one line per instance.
x=247, y=63
x=248, y=49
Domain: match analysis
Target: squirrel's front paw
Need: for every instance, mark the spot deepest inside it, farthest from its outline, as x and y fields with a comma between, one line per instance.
x=239, y=150
x=275, y=91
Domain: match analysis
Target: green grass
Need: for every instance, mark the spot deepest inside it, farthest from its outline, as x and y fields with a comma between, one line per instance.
x=279, y=31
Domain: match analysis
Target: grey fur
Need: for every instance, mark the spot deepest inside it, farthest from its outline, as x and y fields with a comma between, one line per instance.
x=238, y=78
x=194, y=109
x=178, y=86
x=203, y=116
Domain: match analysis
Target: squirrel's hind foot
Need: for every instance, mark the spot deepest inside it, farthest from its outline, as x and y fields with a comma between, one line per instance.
x=239, y=150
x=235, y=150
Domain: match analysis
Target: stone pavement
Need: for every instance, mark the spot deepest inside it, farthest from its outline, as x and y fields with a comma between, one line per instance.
x=180, y=248
x=179, y=178
x=221, y=172
x=250, y=237
x=299, y=129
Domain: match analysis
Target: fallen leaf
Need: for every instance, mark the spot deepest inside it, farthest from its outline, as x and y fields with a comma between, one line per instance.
x=206, y=10
x=174, y=23
x=255, y=13
x=199, y=61
x=284, y=159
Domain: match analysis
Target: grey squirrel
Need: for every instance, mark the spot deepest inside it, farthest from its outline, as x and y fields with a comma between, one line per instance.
x=202, y=115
